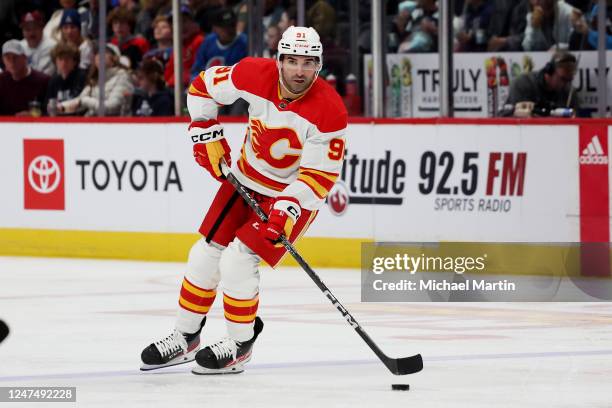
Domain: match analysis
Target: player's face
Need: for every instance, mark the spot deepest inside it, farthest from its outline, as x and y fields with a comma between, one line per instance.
x=298, y=72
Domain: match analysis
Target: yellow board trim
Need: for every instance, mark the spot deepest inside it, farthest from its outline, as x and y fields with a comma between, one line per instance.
x=174, y=247
x=152, y=246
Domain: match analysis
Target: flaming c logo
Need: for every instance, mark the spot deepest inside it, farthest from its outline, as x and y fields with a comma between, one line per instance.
x=264, y=138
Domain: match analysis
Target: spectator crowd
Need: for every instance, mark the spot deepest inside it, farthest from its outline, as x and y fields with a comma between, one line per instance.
x=50, y=60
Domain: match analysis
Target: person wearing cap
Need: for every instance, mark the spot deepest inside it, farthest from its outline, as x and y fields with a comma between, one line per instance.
x=37, y=47
x=192, y=40
x=224, y=46
x=52, y=29
x=20, y=85
x=133, y=46
x=70, y=28
x=69, y=81
x=118, y=88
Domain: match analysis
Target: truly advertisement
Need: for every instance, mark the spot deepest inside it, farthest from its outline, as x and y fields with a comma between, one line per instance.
x=481, y=82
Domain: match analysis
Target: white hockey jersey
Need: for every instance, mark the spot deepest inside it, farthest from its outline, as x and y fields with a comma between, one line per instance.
x=292, y=148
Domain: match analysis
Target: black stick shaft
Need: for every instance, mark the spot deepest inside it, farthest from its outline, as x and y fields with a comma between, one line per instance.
x=411, y=364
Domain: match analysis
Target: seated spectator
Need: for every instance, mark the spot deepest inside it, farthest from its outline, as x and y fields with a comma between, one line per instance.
x=288, y=19
x=550, y=24
x=162, y=32
x=36, y=46
x=52, y=29
x=118, y=88
x=192, y=40
x=539, y=91
x=70, y=26
x=131, y=5
x=473, y=36
x=507, y=26
x=21, y=87
x=322, y=17
x=133, y=46
x=589, y=28
x=273, y=36
x=223, y=47
x=69, y=81
x=144, y=18
x=204, y=12
x=422, y=28
x=152, y=98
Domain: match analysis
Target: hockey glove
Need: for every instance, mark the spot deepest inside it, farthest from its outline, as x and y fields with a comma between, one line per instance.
x=284, y=214
x=209, y=146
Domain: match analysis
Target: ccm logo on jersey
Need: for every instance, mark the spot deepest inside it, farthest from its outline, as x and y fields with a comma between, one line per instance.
x=207, y=136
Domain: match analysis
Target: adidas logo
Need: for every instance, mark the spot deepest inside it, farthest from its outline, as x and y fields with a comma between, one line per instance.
x=594, y=153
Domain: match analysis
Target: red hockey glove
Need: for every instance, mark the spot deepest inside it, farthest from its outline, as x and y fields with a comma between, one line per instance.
x=210, y=146
x=284, y=214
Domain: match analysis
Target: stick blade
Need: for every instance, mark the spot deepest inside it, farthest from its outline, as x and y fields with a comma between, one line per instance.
x=405, y=365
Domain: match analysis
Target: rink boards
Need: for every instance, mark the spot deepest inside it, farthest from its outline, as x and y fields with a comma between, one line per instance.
x=128, y=189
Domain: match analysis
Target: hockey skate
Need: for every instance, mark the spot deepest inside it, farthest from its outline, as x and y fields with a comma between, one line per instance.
x=176, y=348
x=226, y=356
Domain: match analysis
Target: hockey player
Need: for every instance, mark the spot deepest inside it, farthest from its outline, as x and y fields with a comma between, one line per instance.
x=290, y=159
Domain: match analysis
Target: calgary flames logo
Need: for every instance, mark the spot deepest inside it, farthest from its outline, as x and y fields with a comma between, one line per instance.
x=264, y=139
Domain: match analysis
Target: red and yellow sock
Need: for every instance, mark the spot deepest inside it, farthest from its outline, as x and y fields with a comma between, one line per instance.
x=196, y=299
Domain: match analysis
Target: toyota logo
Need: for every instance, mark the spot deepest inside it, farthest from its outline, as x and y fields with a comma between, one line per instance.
x=44, y=174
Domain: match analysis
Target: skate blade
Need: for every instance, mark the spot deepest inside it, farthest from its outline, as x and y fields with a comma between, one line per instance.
x=187, y=358
x=235, y=369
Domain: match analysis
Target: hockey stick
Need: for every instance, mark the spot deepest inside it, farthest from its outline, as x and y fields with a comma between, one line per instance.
x=398, y=366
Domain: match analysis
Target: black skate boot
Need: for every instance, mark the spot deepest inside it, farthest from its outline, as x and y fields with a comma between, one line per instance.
x=226, y=356
x=176, y=348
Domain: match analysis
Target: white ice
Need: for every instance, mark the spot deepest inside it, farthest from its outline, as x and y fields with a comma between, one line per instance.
x=83, y=323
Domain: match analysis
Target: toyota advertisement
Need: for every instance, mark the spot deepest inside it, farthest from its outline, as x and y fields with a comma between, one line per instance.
x=401, y=182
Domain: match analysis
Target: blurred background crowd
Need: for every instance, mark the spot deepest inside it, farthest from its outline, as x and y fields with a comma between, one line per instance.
x=50, y=58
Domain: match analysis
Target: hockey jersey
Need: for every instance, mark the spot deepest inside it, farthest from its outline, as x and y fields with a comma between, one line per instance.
x=291, y=148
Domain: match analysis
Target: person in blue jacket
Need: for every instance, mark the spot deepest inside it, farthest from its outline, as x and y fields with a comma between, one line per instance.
x=223, y=47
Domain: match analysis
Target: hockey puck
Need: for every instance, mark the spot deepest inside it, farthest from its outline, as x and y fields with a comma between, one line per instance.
x=4, y=330
x=400, y=387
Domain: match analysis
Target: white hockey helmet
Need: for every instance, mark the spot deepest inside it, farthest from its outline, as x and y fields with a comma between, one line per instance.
x=301, y=41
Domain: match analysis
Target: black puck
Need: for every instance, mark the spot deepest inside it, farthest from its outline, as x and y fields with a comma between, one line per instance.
x=4, y=330
x=400, y=387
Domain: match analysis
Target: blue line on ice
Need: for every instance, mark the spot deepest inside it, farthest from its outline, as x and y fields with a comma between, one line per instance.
x=303, y=364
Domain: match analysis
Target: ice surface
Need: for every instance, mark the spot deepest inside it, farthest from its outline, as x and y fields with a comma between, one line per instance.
x=83, y=323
